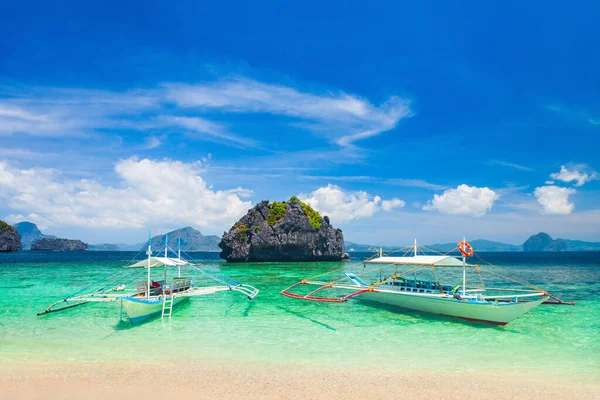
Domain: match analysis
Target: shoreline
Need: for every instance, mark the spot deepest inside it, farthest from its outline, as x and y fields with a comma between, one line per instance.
x=195, y=379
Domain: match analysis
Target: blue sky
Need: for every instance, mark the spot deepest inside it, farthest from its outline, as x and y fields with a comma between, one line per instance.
x=434, y=120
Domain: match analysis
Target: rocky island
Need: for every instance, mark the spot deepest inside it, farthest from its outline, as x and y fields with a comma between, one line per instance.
x=30, y=233
x=10, y=240
x=190, y=239
x=282, y=231
x=47, y=244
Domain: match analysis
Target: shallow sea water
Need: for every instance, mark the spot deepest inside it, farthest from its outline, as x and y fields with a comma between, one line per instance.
x=554, y=341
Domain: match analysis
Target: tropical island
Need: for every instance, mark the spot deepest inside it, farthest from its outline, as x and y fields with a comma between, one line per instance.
x=282, y=231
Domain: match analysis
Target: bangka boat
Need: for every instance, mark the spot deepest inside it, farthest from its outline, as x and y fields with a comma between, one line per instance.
x=414, y=282
x=147, y=298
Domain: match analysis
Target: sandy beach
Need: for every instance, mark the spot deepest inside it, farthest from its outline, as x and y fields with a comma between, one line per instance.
x=193, y=380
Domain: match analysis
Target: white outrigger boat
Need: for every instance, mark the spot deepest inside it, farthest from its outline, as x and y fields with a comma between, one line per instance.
x=399, y=281
x=149, y=298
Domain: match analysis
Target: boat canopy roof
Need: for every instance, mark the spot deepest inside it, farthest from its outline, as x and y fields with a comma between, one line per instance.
x=437, y=261
x=156, y=262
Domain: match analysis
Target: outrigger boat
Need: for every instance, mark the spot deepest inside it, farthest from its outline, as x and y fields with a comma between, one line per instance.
x=399, y=281
x=149, y=298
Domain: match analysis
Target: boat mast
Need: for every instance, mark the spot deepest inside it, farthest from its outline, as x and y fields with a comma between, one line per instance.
x=179, y=257
x=166, y=254
x=149, y=252
x=166, y=244
x=415, y=272
x=464, y=270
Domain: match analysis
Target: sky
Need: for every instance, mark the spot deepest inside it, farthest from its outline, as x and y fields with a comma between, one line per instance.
x=398, y=120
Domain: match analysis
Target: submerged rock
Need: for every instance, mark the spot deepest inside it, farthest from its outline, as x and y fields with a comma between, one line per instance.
x=282, y=231
x=59, y=245
x=10, y=240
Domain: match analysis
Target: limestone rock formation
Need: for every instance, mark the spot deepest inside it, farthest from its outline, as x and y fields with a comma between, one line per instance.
x=10, y=240
x=191, y=240
x=46, y=244
x=282, y=231
x=30, y=233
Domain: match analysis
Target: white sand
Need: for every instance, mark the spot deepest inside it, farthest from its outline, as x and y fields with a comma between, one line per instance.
x=193, y=380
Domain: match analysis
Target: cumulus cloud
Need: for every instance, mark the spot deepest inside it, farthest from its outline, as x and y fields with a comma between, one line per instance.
x=150, y=193
x=554, y=200
x=464, y=199
x=343, y=206
x=574, y=174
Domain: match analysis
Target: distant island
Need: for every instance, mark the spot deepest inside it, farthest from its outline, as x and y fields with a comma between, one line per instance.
x=47, y=244
x=30, y=233
x=22, y=235
x=282, y=231
x=539, y=242
x=190, y=239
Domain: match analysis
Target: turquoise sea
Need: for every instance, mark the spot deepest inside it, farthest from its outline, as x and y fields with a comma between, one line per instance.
x=561, y=342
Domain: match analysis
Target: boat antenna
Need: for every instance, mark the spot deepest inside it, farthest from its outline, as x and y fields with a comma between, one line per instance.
x=464, y=269
x=415, y=247
x=166, y=243
x=149, y=252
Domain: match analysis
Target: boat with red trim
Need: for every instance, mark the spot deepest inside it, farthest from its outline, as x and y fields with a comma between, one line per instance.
x=413, y=282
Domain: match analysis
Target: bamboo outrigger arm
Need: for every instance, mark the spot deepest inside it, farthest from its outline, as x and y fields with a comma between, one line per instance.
x=51, y=309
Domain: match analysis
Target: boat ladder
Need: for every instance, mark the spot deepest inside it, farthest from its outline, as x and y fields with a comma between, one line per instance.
x=167, y=309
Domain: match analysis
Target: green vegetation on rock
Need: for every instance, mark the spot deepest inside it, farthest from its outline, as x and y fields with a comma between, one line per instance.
x=257, y=229
x=276, y=211
x=313, y=216
x=242, y=228
x=4, y=226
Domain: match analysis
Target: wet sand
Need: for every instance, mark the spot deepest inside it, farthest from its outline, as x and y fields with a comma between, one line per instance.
x=194, y=380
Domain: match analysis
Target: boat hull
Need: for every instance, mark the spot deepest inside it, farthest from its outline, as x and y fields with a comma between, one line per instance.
x=484, y=312
x=139, y=310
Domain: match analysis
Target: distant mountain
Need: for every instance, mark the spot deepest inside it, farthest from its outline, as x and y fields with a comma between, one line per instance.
x=478, y=245
x=129, y=246
x=544, y=242
x=578, y=245
x=365, y=248
x=191, y=240
x=30, y=233
x=104, y=247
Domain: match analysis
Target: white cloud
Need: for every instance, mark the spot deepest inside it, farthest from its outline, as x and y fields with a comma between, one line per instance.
x=151, y=142
x=343, y=206
x=51, y=112
x=180, y=107
x=151, y=193
x=197, y=127
x=574, y=174
x=554, y=200
x=511, y=165
x=419, y=183
x=388, y=205
x=464, y=199
x=347, y=118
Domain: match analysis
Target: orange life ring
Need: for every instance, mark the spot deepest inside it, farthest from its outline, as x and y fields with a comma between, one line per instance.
x=465, y=245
